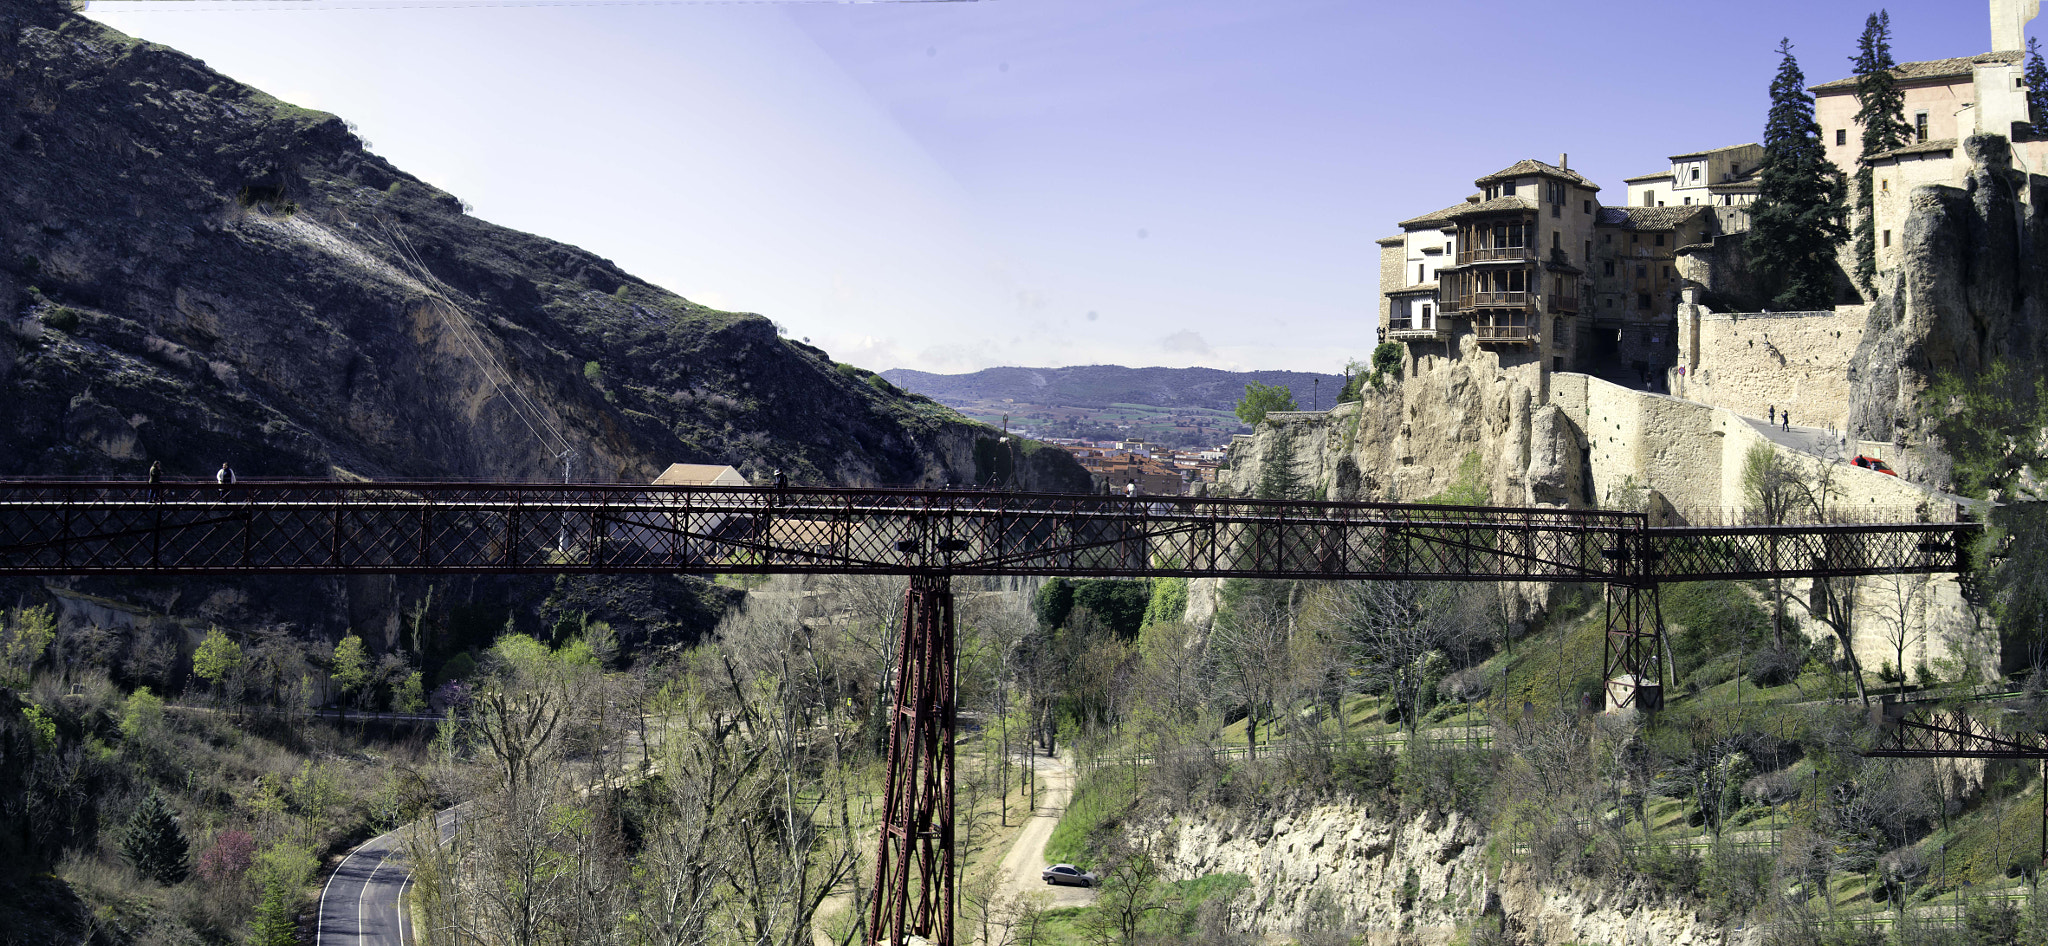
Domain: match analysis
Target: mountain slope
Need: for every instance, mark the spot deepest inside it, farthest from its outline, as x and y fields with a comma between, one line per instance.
x=195, y=272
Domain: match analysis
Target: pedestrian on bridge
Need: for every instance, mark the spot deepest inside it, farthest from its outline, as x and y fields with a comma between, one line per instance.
x=156, y=481
x=226, y=477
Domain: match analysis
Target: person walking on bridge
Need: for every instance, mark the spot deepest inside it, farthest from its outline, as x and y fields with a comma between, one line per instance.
x=226, y=477
x=156, y=481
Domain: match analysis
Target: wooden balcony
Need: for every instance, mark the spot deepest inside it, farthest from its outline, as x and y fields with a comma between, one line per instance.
x=1476, y=300
x=1489, y=254
x=1507, y=328
x=1564, y=304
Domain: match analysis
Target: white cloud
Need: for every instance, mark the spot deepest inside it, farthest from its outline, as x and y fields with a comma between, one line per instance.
x=1185, y=340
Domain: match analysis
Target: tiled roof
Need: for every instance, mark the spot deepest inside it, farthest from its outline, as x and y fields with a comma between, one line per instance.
x=1711, y=151
x=1931, y=69
x=1441, y=216
x=1741, y=185
x=1640, y=178
x=1395, y=240
x=1528, y=166
x=1924, y=147
x=1495, y=205
x=1648, y=218
x=1409, y=290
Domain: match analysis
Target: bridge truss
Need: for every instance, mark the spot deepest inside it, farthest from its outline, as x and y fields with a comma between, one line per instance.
x=321, y=528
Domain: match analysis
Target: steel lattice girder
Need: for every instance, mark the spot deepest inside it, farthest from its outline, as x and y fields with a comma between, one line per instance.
x=438, y=528
x=914, y=865
x=1908, y=730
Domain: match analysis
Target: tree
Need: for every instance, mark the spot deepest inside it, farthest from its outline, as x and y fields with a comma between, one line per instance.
x=153, y=843
x=23, y=639
x=217, y=659
x=351, y=667
x=229, y=857
x=2037, y=88
x=1881, y=110
x=1899, y=599
x=1796, y=221
x=1262, y=399
x=1770, y=488
x=1250, y=651
x=1390, y=629
x=275, y=924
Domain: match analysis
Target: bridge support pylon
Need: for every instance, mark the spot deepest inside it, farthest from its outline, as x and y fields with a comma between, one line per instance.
x=1634, y=659
x=914, y=869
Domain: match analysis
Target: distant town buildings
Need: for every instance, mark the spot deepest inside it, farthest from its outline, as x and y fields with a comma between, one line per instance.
x=1152, y=470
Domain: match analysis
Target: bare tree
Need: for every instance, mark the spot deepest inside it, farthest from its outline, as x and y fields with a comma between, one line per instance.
x=1250, y=653
x=1389, y=629
x=1900, y=599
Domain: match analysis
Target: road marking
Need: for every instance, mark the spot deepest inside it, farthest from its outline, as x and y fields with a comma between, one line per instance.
x=320, y=912
x=364, y=892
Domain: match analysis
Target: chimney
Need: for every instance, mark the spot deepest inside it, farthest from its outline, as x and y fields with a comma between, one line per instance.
x=1564, y=161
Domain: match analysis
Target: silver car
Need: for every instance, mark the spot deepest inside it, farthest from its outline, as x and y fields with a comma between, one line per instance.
x=1068, y=874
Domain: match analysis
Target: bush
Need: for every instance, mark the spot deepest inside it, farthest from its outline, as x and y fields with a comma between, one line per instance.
x=229, y=857
x=593, y=372
x=62, y=319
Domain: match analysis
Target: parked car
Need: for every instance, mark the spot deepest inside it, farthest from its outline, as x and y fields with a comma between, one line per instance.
x=1873, y=463
x=1068, y=874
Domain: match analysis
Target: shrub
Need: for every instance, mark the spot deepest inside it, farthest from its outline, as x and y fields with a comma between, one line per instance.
x=1386, y=362
x=229, y=857
x=593, y=372
x=62, y=319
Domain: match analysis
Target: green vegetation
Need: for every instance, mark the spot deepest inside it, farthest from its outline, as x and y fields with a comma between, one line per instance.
x=153, y=843
x=1262, y=399
x=1101, y=800
x=1881, y=112
x=1796, y=221
x=61, y=318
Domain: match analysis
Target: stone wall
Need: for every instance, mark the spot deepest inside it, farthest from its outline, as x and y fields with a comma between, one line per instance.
x=1751, y=362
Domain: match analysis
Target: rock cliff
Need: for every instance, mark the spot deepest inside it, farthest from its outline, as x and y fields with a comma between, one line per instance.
x=1970, y=292
x=1415, y=880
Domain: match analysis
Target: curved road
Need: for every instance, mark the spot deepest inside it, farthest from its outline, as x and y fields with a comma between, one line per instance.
x=362, y=903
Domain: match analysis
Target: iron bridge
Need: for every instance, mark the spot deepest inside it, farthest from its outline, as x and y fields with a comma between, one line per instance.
x=425, y=528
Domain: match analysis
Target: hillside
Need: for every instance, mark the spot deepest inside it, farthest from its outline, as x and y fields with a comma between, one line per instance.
x=195, y=272
x=1181, y=407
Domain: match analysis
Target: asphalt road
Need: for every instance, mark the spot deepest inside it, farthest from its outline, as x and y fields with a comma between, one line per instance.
x=362, y=903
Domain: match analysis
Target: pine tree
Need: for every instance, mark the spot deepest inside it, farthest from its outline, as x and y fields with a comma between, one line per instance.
x=2037, y=88
x=1881, y=110
x=275, y=925
x=153, y=843
x=1796, y=221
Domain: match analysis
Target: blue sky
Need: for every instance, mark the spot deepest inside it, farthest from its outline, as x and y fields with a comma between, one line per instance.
x=950, y=186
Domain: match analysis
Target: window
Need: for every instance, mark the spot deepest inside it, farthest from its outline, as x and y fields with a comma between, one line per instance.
x=1589, y=206
x=1688, y=202
x=1589, y=251
x=1508, y=189
x=1643, y=301
x=1887, y=239
x=1884, y=184
x=1649, y=197
x=1919, y=126
x=1660, y=239
x=1425, y=315
x=1607, y=238
x=1556, y=240
x=1695, y=172
x=1610, y=267
x=1667, y=272
x=1421, y=274
x=1634, y=238
x=1642, y=272
x=1841, y=136
x=1735, y=170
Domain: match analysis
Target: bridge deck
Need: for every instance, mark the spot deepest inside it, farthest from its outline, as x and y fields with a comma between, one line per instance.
x=76, y=528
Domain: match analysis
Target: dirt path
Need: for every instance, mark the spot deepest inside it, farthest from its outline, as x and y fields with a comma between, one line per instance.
x=1021, y=867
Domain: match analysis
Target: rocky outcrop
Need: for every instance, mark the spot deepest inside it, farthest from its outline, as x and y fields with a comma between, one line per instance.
x=1410, y=880
x=1969, y=292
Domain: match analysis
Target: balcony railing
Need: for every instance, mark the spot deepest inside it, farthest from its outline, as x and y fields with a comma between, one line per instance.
x=1560, y=303
x=1489, y=253
x=1407, y=332
x=1473, y=300
x=1505, y=334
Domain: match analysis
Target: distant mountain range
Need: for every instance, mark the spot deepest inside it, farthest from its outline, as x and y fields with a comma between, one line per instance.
x=1103, y=385
x=1174, y=407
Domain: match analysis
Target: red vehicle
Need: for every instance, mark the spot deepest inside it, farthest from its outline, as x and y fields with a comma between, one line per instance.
x=1873, y=463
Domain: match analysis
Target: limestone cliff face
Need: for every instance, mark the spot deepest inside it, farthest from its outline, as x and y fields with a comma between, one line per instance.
x=194, y=272
x=1970, y=291
x=1412, y=880
x=1413, y=437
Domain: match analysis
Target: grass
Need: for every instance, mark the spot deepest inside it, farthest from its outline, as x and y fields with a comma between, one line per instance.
x=1101, y=799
